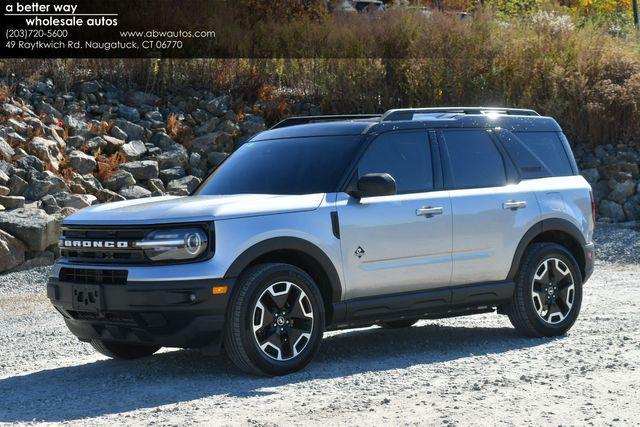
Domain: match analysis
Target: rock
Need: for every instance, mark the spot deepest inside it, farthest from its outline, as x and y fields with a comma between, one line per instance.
x=45, y=183
x=118, y=133
x=162, y=140
x=77, y=188
x=29, y=163
x=611, y=210
x=215, y=158
x=156, y=186
x=252, y=124
x=76, y=201
x=18, y=126
x=65, y=212
x=81, y=162
x=128, y=113
x=73, y=125
x=195, y=161
x=140, y=98
x=621, y=190
x=215, y=141
x=11, y=251
x=45, y=88
x=89, y=87
x=34, y=227
x=170, y=174
x=632, y=208
x=119, y=180
x=218, y=106
x=154, y=116
x=12, y=202
x=96, y=144
x=4, y=178
x=135, y=192
x=179, y=192
x=591, y=175
x=132, y=130
x=228, y=126
x=208, y=126
x=89, y=182
x=143, y=170
x=42, y=259
x=50, y=204
x=17, y=186
x=45, y=108
x=14, y=139
x=188, y=182
x=46, y=150
x=176, y=155
x=75, y=142
x=133, y=150
x=113, y=143
x=106, y=196
x=11, y=110
x=4, y=191
x=6, y=152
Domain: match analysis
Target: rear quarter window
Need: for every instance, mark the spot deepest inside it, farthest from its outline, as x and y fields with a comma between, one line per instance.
x=549, y=149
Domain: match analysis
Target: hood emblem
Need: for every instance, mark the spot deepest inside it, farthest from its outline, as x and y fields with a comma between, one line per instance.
x=359, y=252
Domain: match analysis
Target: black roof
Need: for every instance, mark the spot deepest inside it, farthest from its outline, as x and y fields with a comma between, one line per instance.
x=514, y=120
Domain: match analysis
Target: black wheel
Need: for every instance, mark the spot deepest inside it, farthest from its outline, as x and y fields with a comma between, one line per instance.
x=275, y=320
x=397, y=324
x=548, y=292
x=118, y=350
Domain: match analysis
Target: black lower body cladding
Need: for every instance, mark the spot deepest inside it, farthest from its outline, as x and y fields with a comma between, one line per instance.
x=185, y=314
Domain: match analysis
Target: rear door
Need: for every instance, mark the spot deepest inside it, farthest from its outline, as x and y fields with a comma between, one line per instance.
x=391, y=244
x=491, y=212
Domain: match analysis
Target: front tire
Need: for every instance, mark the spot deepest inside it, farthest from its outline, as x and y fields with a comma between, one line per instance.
x=118, y=350
x=548, y=293
x=275, y=320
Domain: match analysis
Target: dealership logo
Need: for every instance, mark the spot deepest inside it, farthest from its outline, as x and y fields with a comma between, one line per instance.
x=107, y=244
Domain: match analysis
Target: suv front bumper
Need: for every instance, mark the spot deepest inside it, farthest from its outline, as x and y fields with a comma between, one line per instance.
x=182, y=314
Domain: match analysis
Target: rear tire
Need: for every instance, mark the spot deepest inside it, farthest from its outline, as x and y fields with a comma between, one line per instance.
x=548, y=292
x=398, y=324
x=275, y=320
x=118, y=350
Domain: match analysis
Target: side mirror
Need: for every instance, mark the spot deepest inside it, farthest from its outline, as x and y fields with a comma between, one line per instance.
x=375, y=184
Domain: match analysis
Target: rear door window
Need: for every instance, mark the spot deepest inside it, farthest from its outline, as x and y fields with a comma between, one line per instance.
x=548, y=147
x=474, y=159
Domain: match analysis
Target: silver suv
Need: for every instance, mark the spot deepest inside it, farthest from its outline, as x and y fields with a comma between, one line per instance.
x=337, y=222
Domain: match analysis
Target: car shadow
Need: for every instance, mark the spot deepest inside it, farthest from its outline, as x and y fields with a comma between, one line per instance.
x=110, y=386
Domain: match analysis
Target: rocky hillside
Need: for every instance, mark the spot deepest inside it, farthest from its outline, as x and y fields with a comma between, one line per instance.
x=62, y=151
x=65, y=150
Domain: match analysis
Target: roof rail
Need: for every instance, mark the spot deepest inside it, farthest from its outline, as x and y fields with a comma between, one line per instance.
x=407, y=113
x=293, y=121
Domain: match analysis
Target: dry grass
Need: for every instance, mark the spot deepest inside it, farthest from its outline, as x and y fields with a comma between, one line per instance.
x=107, y=165
x=588, y=80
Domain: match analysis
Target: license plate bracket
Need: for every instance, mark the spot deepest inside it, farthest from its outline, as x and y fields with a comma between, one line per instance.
x=87, y=298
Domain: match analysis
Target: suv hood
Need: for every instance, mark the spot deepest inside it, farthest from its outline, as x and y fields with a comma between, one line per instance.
x=168, y=209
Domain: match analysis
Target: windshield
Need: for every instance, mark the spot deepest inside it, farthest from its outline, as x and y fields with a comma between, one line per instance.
x=284, y=166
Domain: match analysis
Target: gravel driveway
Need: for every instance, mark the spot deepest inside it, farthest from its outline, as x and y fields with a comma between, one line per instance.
x=465, y=371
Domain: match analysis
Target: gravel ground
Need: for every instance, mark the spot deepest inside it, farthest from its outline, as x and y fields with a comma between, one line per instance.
x=465, y=371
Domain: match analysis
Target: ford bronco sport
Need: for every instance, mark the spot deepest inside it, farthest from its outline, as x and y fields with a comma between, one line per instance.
x=335, y=222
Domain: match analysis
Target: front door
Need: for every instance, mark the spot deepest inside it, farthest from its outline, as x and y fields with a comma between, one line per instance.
x=398, y=243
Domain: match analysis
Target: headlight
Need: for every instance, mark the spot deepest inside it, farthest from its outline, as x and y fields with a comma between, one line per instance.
x=174, y=245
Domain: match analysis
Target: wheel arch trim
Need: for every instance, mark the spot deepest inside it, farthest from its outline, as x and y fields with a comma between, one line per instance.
x=551, y=224
x=293, y=244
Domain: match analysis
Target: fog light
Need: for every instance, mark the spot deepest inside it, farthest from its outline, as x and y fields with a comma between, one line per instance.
x=219, y=290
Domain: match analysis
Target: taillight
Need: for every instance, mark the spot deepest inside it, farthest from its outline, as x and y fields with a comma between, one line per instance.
x=593, y=208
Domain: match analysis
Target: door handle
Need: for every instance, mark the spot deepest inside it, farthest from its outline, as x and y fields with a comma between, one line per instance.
x=514, y=205
x=429, y=211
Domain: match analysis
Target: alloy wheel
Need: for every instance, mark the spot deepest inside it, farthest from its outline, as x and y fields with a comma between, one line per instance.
x=282, y=321
x=553, y=290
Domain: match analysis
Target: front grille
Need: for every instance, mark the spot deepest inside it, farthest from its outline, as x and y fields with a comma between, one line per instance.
x=103, y=254
x=112, y=317
x=93, y=276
